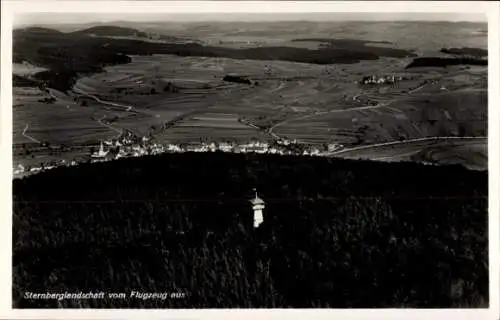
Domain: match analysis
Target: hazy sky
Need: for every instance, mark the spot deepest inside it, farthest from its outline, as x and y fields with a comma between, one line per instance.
x=76, y=18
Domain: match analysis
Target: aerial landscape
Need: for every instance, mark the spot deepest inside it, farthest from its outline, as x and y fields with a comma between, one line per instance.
x=251, y=164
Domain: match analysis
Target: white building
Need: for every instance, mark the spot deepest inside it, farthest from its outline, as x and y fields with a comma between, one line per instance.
x=101, y=153
x=225, y=147
x=20, y=169
x=333, y=147
x=258, y=206
x=212, y=147
x=315, y=152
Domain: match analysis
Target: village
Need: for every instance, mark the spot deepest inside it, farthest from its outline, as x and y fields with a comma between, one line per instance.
x=373, y=79
x=130, y=145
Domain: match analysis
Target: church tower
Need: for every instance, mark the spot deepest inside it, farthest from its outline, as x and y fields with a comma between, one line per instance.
x=258, y=206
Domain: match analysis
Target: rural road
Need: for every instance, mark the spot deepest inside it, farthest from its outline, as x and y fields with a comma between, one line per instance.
x=417, y=88
x=270, y=131
x=25, y=135
x=100, y=121
x=129, y=109
x=109, y=103
x=394, y=143
x=119, y=131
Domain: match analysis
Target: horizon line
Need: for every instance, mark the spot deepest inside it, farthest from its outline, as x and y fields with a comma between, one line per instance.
x=112, y=22
x=74, y=18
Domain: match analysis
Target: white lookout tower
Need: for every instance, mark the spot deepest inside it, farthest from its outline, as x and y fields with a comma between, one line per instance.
x=258, y=206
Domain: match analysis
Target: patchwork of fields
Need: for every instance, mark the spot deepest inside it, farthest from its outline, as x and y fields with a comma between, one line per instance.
x=185, y=99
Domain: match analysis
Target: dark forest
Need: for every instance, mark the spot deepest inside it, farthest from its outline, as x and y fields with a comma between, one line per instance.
x=336, y=233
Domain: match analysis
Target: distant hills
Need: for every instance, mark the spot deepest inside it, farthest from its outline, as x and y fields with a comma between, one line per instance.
x=36, y=30
x=72, y=54
x=69, y=55
x=111, y=31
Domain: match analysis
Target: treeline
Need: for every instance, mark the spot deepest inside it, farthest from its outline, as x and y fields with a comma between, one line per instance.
x=444, y=62
x=115, y=31
x=337, y=233
x=346, y=45
x=236, y=79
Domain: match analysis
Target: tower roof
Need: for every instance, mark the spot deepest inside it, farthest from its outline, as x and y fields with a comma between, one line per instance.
x=256, y=200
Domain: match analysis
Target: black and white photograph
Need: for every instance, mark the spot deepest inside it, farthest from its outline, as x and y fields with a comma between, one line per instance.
x=260, y=160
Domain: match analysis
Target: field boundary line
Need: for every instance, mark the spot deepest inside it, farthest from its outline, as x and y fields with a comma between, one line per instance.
x=27, y=136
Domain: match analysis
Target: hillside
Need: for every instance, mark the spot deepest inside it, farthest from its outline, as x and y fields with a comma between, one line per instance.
x=41, y=31
x=337, y=233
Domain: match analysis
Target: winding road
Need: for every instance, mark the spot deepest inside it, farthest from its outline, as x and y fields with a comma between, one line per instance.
x=27, y=136
x=119, y=131
x=100, y=121
x=109, y=103
x=274, y=135
x=417, y=88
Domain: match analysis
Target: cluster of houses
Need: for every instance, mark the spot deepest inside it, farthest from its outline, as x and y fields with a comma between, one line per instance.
x=136, y=147
x=20, y=169
x=129, y=145
x=118, y=149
